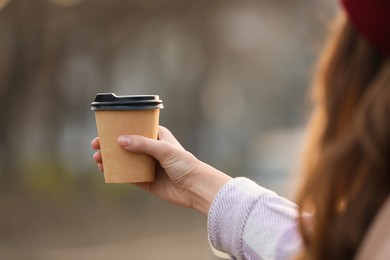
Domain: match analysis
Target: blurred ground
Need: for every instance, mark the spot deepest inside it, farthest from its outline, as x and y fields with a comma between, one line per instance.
x=140, y=228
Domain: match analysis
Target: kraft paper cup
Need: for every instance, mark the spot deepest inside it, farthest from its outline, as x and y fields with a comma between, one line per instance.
x=126, y=115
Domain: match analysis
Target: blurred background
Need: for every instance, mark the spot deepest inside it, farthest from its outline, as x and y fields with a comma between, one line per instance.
x=234, y=78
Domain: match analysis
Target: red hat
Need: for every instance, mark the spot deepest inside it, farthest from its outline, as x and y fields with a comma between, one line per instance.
x=372, y=19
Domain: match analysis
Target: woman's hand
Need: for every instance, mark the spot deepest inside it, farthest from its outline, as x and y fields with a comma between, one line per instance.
x=180, y=177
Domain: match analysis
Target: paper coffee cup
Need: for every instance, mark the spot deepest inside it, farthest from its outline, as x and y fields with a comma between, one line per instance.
x=126, y=115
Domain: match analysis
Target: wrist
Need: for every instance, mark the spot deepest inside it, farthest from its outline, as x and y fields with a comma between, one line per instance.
x=206, y=183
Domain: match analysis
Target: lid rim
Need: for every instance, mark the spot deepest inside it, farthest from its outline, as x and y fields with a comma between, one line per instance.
x=128, y=108
x=135, y=103
x=112, y=97
x=110, y=101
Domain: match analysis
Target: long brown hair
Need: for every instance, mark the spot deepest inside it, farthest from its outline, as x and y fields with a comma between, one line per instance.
x=348, y=152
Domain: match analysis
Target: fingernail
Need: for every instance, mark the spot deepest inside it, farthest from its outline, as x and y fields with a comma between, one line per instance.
x=123, y=141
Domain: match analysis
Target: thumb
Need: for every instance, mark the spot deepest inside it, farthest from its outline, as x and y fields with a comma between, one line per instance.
x=139, y=144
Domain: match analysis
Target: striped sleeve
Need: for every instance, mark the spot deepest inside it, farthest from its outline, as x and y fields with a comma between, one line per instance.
x=248, y=221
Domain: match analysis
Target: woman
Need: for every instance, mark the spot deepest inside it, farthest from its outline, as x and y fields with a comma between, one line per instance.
x=348, y=158
x=347, y=169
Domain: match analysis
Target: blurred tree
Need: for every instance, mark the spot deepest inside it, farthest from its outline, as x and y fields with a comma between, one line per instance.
x=26, y=20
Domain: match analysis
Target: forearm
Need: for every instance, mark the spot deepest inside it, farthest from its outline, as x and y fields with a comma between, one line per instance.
x=250, y=222
x=205, y=184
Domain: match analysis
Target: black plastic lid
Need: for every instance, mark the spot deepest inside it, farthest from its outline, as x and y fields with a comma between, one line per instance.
x=110, y=101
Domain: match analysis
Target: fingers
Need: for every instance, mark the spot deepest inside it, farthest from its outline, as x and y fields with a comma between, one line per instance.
x=98, y=157
x=164, y=147
x=95, y=144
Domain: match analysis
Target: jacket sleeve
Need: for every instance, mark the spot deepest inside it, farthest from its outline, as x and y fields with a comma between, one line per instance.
x=248, y=221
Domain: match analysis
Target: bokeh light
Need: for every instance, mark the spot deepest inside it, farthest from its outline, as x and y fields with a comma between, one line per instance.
x=4, y=3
